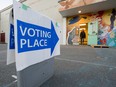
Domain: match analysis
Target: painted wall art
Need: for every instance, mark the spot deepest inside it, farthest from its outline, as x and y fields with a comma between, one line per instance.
x=106, y=25
x=68, y=4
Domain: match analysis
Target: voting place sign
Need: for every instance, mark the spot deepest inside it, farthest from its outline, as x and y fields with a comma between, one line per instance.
x=36, y=36
x=33, y=37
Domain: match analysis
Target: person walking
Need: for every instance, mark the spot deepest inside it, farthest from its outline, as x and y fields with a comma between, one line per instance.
x=82, y=37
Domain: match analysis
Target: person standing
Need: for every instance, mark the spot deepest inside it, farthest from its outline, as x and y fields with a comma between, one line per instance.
x=112, y=19
x=82, y=37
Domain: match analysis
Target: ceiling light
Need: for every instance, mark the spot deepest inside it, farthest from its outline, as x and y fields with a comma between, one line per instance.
x=82, y=29
x=82, y=24
x=79, y=11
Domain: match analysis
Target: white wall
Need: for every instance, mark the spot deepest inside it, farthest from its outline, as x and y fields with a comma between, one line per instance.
x=0, y=21
x=5, y=23
x=46, y=7
x=64, y=32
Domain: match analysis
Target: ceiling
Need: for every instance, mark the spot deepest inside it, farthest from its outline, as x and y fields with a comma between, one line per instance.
x=100, y=6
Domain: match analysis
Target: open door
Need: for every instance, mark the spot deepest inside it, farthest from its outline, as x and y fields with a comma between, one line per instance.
x=92, y=33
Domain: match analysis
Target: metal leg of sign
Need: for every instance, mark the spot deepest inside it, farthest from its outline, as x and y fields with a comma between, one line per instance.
x=37, y=74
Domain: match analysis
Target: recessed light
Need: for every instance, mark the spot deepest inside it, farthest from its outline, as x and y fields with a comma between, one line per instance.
x=79, y=11
x=82, y=24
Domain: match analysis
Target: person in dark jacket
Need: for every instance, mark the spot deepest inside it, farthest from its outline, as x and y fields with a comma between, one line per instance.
x=112, y=18
x=82, y=36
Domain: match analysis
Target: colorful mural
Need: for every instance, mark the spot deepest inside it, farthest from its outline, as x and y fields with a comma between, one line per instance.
x=68, y=4
x=106, y=25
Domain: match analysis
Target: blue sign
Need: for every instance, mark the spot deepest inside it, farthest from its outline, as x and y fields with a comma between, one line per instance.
x=12, y=42
x=32, y=37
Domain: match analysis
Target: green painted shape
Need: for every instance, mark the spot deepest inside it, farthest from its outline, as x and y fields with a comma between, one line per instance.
x=56, y=24
x=25, y=7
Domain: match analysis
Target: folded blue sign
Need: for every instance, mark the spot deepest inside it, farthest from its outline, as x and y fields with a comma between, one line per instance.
x=12, y=42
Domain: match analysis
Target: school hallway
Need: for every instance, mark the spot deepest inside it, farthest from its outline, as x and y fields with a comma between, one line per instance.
x=77, y=66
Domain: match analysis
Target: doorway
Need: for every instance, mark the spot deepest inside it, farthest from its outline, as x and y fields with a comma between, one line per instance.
x=83, y=26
